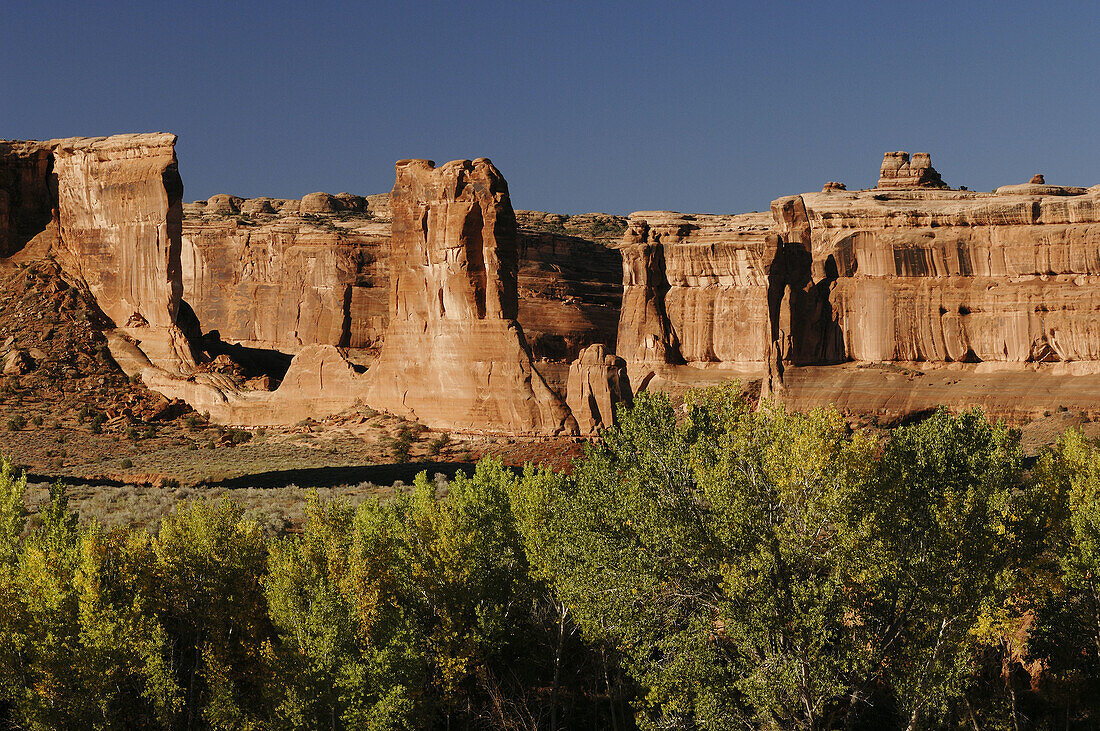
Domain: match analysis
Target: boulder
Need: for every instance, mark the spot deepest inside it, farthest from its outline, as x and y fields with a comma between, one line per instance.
x=223, y=204
x=597, y=384
x=254, y=206
x=17, y=362
x=319, y=203
x=352, y=203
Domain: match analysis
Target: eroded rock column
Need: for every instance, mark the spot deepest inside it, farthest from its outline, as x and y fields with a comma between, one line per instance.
x=454, y=355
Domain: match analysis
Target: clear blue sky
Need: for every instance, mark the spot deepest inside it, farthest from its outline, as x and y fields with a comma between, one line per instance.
x=716, y=107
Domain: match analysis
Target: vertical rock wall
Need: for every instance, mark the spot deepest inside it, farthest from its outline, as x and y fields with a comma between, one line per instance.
x=26, y=198
x=120, y=211
x=286, y=282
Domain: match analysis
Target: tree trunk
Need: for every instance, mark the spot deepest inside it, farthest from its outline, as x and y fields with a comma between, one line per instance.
x=557, y=668
x=919, y=704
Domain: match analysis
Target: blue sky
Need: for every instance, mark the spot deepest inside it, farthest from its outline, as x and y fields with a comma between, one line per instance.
x=584, y=106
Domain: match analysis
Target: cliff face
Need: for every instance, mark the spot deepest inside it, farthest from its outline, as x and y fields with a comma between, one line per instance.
x=695, y=288
x=958, y=276
x=811, y=297
x=910, y=273
x=120, y=213
x=283, y=281
x=26, y=199
x=453, y=353
x=262, y=273
x=570, y=281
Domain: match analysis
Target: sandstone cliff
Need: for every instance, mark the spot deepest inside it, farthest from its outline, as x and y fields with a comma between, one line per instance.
x=26, y=198
x=120, y=212
x=261, y=273
x=453, y=353
x=109, y=209
x=914, y=274
x=284, y=280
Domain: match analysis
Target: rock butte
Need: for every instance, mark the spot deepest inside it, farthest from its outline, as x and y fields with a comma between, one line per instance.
x=440, y=302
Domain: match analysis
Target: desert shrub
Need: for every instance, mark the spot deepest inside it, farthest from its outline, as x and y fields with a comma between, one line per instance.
x=238, y=436
x=97, y=423
x=438, y=444
x=37, y=420
x=126, y=463
x=192, y=421
x=399, y=450
x=17, y=422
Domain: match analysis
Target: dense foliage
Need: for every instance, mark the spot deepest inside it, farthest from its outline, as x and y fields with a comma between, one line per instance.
x=710, y=566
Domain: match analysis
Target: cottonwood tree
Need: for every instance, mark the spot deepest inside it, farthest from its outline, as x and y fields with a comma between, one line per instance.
x=950, y=522
x=1066, y=633
x=715, y=551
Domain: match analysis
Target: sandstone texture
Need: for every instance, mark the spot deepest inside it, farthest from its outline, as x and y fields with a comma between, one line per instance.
x=899, y=171
x=439, y=302
x=597, y=384
x=284, y=280
x=453, y=352
x=120, y=202
x=918, y=274
x=695, y=288
x=109, y=211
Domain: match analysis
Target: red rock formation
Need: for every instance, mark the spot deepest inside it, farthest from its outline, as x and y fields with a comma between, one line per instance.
x=898, y=171
x=695, y=289
x=26, y=201
x=284, y=281
x=120, y=202
x=454, y=355
x=934, y=277
x=597, y=384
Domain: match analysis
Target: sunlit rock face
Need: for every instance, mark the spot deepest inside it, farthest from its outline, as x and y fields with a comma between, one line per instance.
x=285, y=281
x=914, y=273
x=120, y=212
x=597, y=385
x=454, y=355
x=695, y=288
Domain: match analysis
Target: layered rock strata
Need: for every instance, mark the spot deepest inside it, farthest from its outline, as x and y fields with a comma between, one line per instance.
x=262, y=274
x=912, y=275
x=898, y=171
x=284, y=281
x=454, y=354
x=695, y=288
